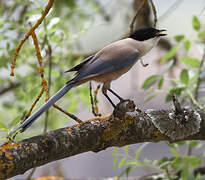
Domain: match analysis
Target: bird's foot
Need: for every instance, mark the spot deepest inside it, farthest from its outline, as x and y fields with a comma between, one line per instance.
x=142, y=63
x=125, y=105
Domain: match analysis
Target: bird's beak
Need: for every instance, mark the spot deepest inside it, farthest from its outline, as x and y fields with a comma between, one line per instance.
x=158, y=33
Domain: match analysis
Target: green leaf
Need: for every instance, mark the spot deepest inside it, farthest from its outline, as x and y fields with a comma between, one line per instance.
x=181, y=143
x=164, y=162
x=164, y=165
x=194, y=161
x=171, y=53
x=55, y=38
x=125, y=171
x=164, y=159
x=126, y=150
x=3, y=61
x=122, y=162
x=160, y=83
x=114, y=163
x=176, y=90
x=177, y=162
x=174, y=152
x=129, y=169
x=179, y=38
x=121, y=174
x=201, y=35
x=149, y=97
x=193, y=62
x=2, y=37
x=1, y=22
x=184, y=76
x=138, y=153
x=115, y=149
x=196, y=23
x=187, y=45
x=193, y=143
x=140, y=150
x=185, y=172
x=150, y=81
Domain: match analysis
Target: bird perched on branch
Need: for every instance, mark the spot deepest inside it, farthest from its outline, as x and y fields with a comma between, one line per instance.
x=106, y=65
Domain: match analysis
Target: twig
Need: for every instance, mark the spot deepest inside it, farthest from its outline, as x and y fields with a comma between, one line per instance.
x=189, y=150
x=91, y=99
x=33, y=105
x=95, y=95
x=40, y=61
x=39, y=21
x=154, y=12
x=49, y=80
x=176, y=103
x=94, y=101
x=44, y=82
x=136, y=14
x=46, y=86
x=199, y=76
x=194, y=101
x=68, y=114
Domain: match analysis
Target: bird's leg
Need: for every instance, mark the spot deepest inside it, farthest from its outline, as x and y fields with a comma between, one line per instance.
x=120, y=98
x=106, y=87
x=108, y=98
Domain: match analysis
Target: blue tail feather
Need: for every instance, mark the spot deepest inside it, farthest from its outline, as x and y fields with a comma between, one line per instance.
x=27, y=123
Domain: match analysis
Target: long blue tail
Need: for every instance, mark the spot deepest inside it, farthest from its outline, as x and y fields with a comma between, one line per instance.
x=43, y=108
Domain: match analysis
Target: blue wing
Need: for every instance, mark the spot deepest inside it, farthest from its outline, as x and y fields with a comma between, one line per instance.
x=101, y=66
x=80, y=65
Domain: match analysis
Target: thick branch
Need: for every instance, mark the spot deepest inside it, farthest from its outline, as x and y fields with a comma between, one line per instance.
x=92, y=135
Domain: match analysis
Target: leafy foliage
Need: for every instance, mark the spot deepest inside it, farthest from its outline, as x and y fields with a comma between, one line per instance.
x=172, y=52
x=167, y=167
x=193, y=62
x=196, y=23
x=59, y=32
x=178, y=165
x=183, y=86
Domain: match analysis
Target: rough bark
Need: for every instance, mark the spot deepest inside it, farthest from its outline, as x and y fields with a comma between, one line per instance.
x=119, y=129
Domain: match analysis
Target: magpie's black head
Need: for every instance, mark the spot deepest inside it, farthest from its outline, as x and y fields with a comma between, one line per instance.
x=146, y=33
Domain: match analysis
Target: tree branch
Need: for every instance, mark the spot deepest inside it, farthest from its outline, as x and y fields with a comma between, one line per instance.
x=93, y=135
